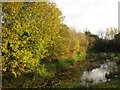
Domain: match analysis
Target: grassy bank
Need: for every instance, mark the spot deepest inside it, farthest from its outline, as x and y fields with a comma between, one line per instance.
x=62, y=74
x=58, y=74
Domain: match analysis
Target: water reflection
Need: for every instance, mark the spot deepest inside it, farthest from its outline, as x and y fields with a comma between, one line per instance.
x=103, y=73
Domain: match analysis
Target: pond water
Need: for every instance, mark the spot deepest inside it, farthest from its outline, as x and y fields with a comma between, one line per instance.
x=99, y=72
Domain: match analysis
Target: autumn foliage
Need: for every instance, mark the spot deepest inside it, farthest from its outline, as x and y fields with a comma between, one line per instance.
x=33, y=32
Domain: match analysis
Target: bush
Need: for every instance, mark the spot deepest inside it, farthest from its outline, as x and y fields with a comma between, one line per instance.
x=62, y=65
x=51, y=68
x=71, y=60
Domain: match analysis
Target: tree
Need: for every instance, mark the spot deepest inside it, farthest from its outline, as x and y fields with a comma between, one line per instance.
x=31, y=32
x=110, y=33
x=117, y=41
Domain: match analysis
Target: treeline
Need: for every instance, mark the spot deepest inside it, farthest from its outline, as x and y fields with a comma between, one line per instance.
x=33, y=33
x=109, y=43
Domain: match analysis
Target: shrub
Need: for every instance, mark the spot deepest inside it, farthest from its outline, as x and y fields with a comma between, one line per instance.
x=71, y=60
x=62, y=65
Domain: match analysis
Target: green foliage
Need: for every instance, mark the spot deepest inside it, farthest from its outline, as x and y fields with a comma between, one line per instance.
x=71, y=60
x=51, y=68
x=43, y=71
x=62, y=65
x=88, y=33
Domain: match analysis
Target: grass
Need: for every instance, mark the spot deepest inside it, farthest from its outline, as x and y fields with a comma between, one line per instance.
x=115, y=83
x=63, y=78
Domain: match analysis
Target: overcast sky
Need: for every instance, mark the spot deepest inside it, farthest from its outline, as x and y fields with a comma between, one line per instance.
x=97, y=15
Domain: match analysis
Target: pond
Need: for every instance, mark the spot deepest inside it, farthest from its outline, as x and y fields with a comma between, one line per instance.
x=99, y=72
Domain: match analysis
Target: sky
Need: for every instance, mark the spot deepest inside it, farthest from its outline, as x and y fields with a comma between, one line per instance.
x=95, y=15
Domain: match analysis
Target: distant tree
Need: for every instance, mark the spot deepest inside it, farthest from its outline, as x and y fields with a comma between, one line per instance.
x=117, y=41
x=88, y=33
x=110, y=33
